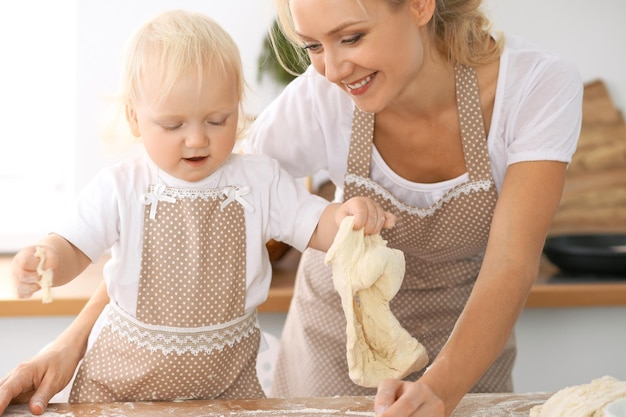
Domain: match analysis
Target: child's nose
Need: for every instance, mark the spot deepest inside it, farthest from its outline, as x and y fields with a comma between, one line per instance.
x=197, y=139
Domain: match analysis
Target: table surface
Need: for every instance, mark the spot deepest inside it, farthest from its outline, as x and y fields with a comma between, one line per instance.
x=473, y=405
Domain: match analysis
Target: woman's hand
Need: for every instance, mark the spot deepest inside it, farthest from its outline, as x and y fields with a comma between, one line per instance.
x=368, y=215
x=396, y=398
x=39, y=379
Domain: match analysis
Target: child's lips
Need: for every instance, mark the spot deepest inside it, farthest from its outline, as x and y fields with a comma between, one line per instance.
x=196, y=160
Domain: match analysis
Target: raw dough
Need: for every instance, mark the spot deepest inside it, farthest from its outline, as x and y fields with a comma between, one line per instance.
x=587, y=400
x=367, y=275
x=46, y=276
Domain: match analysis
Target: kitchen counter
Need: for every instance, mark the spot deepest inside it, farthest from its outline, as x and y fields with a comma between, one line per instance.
x=552, y=289
x=472, y=405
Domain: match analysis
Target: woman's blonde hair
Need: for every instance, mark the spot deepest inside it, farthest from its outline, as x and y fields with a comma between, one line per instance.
x=459, y=28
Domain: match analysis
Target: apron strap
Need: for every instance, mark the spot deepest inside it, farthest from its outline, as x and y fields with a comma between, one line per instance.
x=471, y=122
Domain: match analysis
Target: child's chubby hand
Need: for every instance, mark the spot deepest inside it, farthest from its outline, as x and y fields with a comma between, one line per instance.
x=368, y=215
x=25, y=264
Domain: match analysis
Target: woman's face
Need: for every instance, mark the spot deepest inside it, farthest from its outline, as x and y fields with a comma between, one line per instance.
x=369, y=49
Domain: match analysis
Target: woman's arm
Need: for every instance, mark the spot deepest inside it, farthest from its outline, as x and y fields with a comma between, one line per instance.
x=39, y=379
x=529, y=198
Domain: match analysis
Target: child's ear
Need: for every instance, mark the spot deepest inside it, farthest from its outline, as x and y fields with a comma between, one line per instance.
x=423, y=10
x=131, y=118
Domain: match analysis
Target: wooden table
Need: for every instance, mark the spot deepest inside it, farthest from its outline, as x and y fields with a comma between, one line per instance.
x=473, y=405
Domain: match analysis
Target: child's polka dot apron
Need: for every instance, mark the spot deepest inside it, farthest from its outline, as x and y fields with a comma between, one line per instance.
x=190, y=338
x=443, y=245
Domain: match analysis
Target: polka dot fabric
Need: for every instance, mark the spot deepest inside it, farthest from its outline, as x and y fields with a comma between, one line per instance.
x=192, y=277
x=193, y=264
x=443, y=247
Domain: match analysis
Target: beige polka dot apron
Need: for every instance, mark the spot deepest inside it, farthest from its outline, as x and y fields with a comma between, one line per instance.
x=190, y=338
x=443, y=246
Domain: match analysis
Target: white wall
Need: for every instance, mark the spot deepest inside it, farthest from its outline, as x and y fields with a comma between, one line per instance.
x=592, y=35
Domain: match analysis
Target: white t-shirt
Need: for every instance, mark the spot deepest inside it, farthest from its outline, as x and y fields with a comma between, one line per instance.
x=109, y=214
x=536, y=116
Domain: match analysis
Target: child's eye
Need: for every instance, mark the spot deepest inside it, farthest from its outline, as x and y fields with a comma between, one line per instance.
x=217, y=122
x=171, y=127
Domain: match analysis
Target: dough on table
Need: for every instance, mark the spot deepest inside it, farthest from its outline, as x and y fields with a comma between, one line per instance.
x=587, y=400
x=367, y=275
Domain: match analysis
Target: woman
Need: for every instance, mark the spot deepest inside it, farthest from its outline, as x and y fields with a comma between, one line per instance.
x=464, y=136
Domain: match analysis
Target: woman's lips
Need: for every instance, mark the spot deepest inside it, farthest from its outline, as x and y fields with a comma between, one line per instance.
x=360, y=86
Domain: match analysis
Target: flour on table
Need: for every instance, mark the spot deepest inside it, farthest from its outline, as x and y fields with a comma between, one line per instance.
x=45, y=275
x=587, y=400
x=367, y=275
x=22, y=410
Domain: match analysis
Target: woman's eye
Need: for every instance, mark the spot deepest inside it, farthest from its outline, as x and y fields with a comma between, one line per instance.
x=352, y=40
x=312, y=47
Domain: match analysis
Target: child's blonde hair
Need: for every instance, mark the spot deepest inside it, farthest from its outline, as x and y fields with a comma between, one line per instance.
x=177, y=43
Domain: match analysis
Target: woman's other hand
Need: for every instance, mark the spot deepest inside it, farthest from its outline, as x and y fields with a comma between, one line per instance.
x=395, y=398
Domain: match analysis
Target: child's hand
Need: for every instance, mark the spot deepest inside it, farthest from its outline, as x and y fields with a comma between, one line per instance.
x=367, y=213
x=26, y=277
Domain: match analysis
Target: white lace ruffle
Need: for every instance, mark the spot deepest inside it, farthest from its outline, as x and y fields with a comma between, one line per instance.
x=160, y=192
x=466, y=188
x=180, y=340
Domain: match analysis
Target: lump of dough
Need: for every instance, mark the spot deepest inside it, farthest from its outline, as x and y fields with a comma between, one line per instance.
x=587, y=400
x=367, y=275
x=46, y=276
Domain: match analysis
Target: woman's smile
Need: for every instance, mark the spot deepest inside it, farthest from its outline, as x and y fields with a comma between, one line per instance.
x=361, y=86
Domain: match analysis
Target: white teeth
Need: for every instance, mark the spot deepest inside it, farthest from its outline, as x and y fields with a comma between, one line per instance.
x=360, y=83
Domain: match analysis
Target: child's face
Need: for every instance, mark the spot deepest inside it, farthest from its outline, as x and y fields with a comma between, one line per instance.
x=193, y=130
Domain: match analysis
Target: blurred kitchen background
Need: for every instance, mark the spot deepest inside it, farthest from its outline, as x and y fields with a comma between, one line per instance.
x=59, y=65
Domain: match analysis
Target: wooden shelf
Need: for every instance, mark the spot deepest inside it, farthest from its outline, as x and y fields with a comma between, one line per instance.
x=550, y=290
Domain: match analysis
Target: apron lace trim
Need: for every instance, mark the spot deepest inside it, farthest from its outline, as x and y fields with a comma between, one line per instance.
x=160, y=192
x=180, y=340
x=465, y=188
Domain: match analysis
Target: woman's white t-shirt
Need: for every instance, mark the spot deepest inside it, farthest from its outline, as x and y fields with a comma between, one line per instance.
x=536, y=116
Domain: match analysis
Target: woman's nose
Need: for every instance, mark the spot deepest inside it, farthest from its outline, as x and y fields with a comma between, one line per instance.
x=335, y=67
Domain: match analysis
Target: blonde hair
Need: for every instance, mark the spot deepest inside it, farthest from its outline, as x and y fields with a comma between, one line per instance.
x=460, y=30
x=173, y=44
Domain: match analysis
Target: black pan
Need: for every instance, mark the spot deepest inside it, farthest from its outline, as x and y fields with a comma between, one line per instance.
x=588, y=253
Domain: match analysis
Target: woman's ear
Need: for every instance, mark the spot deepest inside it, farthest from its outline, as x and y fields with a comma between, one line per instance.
x=423, y=10
x=131, y=118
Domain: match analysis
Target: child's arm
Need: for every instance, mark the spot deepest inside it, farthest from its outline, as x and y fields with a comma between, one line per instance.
x=367, y=214
x=61, y=257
